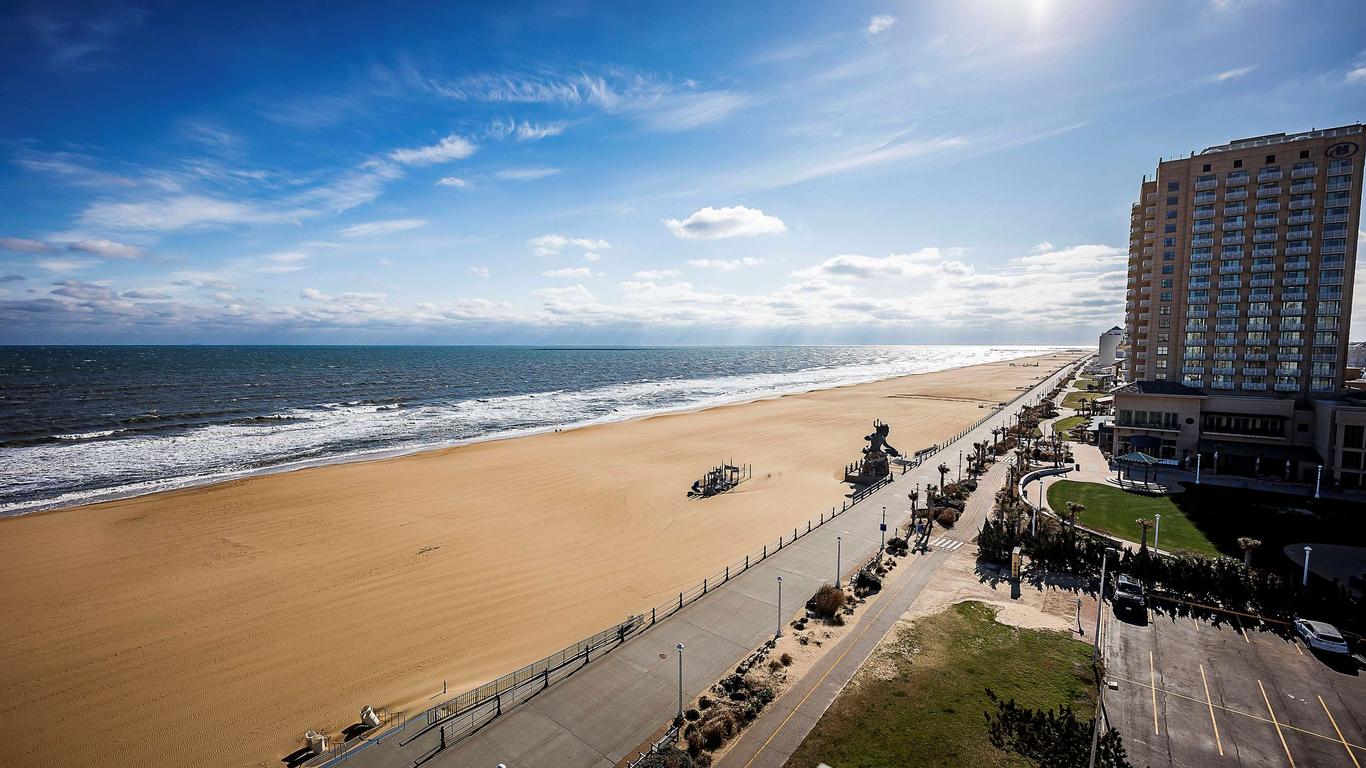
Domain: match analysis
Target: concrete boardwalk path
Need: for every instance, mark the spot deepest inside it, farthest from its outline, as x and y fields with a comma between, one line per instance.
x=603, y=712
x=771, y=739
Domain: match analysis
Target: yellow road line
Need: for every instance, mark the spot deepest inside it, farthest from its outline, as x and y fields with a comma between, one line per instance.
x=867, y=621
x=1276, y=723
x=1338, y=730
x=1240, y=629
x=1152, y=673
x=1297, y=647
x=1210, y=703
x=1232, y=711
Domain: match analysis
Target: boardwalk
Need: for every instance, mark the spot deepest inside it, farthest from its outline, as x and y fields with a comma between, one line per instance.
x=599, y=715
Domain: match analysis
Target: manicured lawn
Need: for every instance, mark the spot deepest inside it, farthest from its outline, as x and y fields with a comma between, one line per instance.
x=1063, y=427
x=925, y=705
x=1074, y=399
x=1207, y=519
x=1114, y=511
x=1083, y=383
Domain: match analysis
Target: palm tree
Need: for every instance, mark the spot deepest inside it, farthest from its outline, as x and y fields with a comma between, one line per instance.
x=914, y=496
x=943, y=470
x=1145, y=524
x=995, y=435
x=1074, y=510
x=1247, y=544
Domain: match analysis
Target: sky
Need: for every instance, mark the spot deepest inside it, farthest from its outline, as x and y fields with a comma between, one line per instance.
x=626, y=173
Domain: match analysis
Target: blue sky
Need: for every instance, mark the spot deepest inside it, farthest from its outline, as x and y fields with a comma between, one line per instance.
x=618, y=173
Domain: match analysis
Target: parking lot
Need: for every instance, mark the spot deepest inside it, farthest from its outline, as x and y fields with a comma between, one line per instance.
x=1195, y=692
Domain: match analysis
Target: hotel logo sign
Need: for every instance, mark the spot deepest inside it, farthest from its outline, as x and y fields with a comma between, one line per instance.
x=1340, y=150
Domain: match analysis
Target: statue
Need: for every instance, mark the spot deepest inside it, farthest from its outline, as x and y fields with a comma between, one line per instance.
x=874, y=466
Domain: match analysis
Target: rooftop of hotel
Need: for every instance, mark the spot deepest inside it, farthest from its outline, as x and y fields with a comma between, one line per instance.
x=1283, y=138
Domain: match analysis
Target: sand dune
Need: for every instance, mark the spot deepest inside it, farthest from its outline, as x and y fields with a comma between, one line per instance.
x=214, y=625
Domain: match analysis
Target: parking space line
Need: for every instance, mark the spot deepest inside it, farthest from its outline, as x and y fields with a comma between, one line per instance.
x=1241, y=630
x=1338, y=730
x=1210, y=703
x=1232, y=711
x=1296, y=643
x=1152, y=674
x=1276, y=723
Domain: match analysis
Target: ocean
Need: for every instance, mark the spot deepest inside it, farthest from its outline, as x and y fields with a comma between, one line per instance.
x=79, y=424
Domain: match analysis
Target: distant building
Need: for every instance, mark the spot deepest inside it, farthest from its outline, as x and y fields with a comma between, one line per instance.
x=1239, y=295
x=1109, y=343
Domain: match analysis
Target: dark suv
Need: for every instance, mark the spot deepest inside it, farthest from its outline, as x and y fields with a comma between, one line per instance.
x=1128, y=594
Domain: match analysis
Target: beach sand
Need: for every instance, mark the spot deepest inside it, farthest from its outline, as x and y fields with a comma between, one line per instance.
x=214, y=625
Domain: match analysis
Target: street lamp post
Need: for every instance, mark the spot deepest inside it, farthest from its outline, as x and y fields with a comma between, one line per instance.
x=883, y=537
x=1318, y=480
x=1304, y=581
x=960, y=466
x=1198, y=456
x=1157, y=533
x=838, y=540
x=779, y=632
x=1100, y=602
x=680, y=679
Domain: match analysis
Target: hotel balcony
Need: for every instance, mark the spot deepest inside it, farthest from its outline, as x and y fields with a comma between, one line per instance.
x=1288, y=371
x=1305, y=217
x=1330, y=218
x=1233, y=225
x=1333, y=249
x=1254, y=326
x=1197, y=311
x=1254, y=371
x=1222, y=385
x=1292, y=265
x=1237, y=209
x=1261, y=282
x=1268, y=206
x=1325, y=357
x=1197, y=242
x=1225, y=341
x=1198, y=285
x=1259, y=312
x=1236, y=178
x=1208, y=184
x=1202, y=256
x=1235, y=194
x=1202, y=228
x=1234, y=239
x=1226, y=313
x=1287, y=386
x=1145, y=303
x=1338, y=186
x=1332, y=262
x=1255, y=356
x=1265, y=237
x=1200, y=369
x=1289, y=357
x=1193, y=355
x=1326, y=310
x=1293, y=296
x=1299, y=205
x=1230, y=283
x=1298, y=250
x=1263, y=267
x=1144, y=316
x=1192, y=312
x=1225, y=356
x=1300, y=173
x=1302, y=186
x=1255, y=386
x=1200, y=269
x=1226, y=326
x=1299, y=233
x=1331, y=280
x=1268, y=175
x=1148, y=236
x=1288, y=324
x=1205, y=197
x=1267, y=221
x=1230, y=269
x=1222, y=370
x=1269, y=191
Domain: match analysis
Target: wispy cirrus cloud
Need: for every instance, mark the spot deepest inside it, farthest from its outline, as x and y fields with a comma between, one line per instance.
x=452, y=147
x=108, y=249
x=1232, y=74
x=526, y=174
x=525, y=130
x=385, y=227
x=568, y=272
x=879, y=24
x=550, y=245
x=26, y=245
x=726, y=265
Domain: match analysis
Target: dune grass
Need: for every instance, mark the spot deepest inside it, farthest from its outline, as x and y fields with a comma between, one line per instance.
x=919, y=699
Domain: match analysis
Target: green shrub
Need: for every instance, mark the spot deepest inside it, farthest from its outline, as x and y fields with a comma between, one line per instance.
x=827, y=602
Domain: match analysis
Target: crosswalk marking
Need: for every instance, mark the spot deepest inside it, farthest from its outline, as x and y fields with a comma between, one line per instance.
x=946, y=544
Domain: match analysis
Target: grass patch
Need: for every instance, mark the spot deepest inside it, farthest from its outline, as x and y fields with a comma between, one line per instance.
x=925, y=707
x=1075, y=398
x=1083, y=382
x=1114, y=511
x=1063, y=427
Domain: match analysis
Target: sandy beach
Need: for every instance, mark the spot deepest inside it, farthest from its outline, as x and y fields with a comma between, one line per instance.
x=214, y=625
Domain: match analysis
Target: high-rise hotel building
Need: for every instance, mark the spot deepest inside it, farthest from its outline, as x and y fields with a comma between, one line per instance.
x=1241, y=259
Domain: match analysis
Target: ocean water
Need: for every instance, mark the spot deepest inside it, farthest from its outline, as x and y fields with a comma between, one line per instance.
x=79, y=424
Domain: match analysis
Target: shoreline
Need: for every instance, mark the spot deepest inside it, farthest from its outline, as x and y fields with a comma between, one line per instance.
x=384, y=454
x=297, y=597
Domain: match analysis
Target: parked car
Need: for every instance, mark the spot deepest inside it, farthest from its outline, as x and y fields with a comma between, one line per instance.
x=1321, y=636
x=1129, y=593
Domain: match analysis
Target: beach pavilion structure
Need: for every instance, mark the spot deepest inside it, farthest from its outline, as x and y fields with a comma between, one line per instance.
x=1129, y=461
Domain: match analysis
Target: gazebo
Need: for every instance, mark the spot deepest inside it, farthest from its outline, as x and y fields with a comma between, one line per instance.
x=1137, y=459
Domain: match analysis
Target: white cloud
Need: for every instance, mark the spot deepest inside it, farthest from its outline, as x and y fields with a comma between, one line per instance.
x=725, y=265
x=879, y=24
x=349, y=297
x=923, y=263
x=526, y=174
x=1043, y=247
x=385, y=227
x=526, y=131
x=452, y=181
x=590, y=256
x=656, y=274
x=181, y=212
x=107, y=249
x=1357, y=74
x=25, y=245
x=1232, y=74
x=64, y=266
x=452, y=147
x=479, y=271
x=568, y=272
x=550, y=245
x=719, y=223
x=1078, y=257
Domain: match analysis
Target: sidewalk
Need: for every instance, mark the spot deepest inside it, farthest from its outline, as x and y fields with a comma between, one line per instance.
x=600, y=714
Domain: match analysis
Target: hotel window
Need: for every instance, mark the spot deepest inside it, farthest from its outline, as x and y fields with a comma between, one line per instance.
x=1164, y=310
x=1268, y=186
x=1223, y=381
x=1259, y=309
x=1325, y=338
x=1337, y=198
x=1191, y=380
x=1161, y=350
x=1321, y=385
x=1289, y=365
x=1228, y=294
x=1329, y=323
x=1172, y=200
x=1291, y=338
x=1169, y=255
x=1221, y=353
x=1258, y=338
x=1173, y=186
x=1329, y=308
x=1265, y=232
x=1330, y=276
x=1163, y=337
x=1324, y=369
x=1231, y=252
x=1339, y=166
x=1330, y=292
x=1168, y=241
x=1335, y=230
x=1195, y=339
x=1166, y=295
x=1169, y=229
x=1292, y=308
x=1167, y=269
x=1167, y=283
x=1238, y=221
x=1339, y=182
x=1162, y=363
x=1171, y=214
x=1203, y=212
x=1301, y=199
x=1303, y=167
x=1165, y=322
